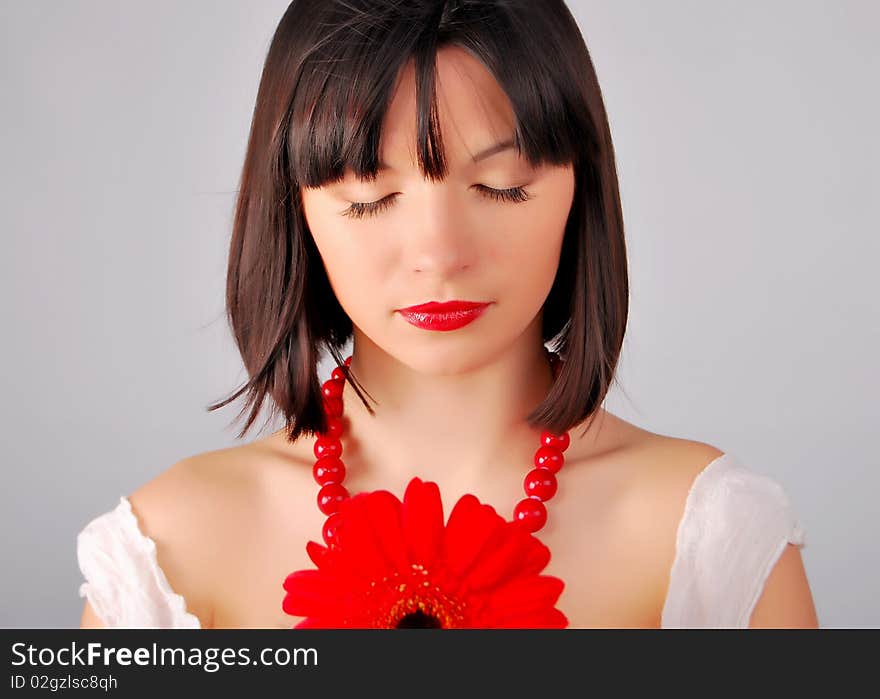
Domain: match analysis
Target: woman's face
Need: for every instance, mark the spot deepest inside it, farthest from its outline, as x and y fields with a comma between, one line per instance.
x=447, y=240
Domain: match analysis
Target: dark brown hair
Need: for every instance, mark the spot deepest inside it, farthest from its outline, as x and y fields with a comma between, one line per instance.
x=325, y=87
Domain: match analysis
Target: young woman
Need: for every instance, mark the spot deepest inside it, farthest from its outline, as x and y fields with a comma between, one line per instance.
x=435, y=182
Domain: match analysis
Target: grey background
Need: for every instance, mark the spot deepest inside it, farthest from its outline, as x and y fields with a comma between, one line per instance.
x=746, y=136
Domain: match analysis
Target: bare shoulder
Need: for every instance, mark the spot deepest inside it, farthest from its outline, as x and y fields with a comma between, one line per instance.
x=659, y=473
x=652, y=460
x=625, y=488
x=174, y=503
x=647, y=476
x=183, y=510
x=197, y=510
x=668, y=467
x=184, y=504
x=662, y=470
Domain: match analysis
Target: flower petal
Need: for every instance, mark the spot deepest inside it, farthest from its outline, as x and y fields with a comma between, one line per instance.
x=312, y=622
x=317, y=553
x=535, y=558
x=524, y=595
x=471, y=525
x=422, y=516
x=500, y=560
x=309, y=592
x=546, y=619
x=360, y=554
x=384, y=510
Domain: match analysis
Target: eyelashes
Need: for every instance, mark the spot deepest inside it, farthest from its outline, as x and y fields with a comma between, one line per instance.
x=361, y=210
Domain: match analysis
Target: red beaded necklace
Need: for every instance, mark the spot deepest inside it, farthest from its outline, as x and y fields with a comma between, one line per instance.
x=329, y=471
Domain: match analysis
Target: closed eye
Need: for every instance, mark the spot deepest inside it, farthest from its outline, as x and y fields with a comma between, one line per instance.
x=363, y=209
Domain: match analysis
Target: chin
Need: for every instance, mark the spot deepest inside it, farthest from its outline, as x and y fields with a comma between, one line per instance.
x=446, y=361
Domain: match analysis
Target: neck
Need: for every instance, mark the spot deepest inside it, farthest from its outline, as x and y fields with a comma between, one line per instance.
x=443, y=420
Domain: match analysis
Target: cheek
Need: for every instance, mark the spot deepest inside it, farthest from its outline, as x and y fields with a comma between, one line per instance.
x=542, y=232
x=356, y=270
x=527, y=251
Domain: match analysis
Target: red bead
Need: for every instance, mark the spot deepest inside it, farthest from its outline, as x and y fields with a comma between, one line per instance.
x=330, y=497
x=328, y=469
x=330, y=530
x=327, y=446
x=337, y=374
x=335, y=428
x=557, y=441
x=531, y=513
x=333, y=406
x=549, y=458
x=348, y=361
x=332, y=389
x=540, y=483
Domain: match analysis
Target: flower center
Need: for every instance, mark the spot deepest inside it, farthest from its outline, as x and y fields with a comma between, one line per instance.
x=414, y=601
x=419, y=620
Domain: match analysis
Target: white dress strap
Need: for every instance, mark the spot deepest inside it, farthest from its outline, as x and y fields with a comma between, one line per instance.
x=735, y=526
x=124, y=583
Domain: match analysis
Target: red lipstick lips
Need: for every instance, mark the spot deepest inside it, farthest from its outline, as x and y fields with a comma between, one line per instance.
x=443, y=316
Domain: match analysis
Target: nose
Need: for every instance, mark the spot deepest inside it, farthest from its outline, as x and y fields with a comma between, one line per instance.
x=441, y=242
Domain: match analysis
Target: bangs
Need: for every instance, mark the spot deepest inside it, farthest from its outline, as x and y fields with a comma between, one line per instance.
x=346, y=84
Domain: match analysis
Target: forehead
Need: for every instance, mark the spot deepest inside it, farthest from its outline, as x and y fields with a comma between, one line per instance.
x=473, y=111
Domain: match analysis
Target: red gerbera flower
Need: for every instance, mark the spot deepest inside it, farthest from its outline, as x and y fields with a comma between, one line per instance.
x=395, y=565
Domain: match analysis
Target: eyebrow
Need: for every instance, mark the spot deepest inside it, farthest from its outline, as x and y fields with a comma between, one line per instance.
x=482, y=155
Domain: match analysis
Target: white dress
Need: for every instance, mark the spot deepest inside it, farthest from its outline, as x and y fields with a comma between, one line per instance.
x=735, y=525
